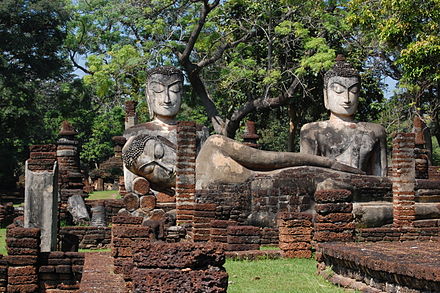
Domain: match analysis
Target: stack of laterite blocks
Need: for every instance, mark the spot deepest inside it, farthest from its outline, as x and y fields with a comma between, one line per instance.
x=204, y=213
x=3, y=273
x=185, y=174
x=23, y=246
x=269, y=236
x=403, y=178
x=42, y=157
x=434, y=173
x=334, y=220
x=126, y=231
x=243, y=238
x=295, y=234
x=7, y=214
x=219, y=230
x=179, y=267
x=60, y=270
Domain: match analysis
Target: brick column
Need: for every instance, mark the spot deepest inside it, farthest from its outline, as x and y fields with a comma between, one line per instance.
x=403, y=179
x=23, y=246
x=7, y=214
x=334, y=218
x=295, y=234
x=130, y=114
x=250, y=136
x=70, y=177
x=186, y=174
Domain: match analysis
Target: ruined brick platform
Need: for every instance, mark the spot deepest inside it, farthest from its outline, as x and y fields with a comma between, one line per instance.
x=382, y=266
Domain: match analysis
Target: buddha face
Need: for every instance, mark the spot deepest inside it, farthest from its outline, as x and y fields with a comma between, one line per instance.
x=342, y=95
x=164, y=93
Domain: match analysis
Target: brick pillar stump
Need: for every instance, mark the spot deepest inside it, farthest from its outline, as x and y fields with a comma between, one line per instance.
x=243, y=238
x=295, y=234
x=126, y=232
x=23, y=246
x=334, y=219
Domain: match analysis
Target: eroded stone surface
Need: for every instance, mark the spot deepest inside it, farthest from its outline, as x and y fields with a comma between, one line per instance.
x=358, y=144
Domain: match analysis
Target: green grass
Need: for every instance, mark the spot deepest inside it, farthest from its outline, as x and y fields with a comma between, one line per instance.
x=274, y=247
x=279, y=275
x=3, y=242
x=107, y=194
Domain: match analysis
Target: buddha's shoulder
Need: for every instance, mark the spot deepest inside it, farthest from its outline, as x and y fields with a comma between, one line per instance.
x=150, y=128
x=315, y=126
x=378, y=129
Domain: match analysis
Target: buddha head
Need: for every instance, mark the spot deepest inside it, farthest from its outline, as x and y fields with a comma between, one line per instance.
x=341, y=89
x=164, y=92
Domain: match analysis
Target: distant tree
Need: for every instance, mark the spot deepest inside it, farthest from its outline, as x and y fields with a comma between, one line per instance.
x=31, y=34
x=241, y=57
x=402, y=38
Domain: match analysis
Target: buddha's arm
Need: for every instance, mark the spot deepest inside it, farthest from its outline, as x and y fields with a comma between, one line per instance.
x=378, y=162
x=258, y=160
x=308, y=143
x=383, y=155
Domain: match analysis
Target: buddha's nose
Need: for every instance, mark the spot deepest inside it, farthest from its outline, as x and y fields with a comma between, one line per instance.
x=347, y=98
x=167, y=99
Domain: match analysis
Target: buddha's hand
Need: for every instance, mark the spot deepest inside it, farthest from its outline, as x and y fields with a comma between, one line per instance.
x=345, y=168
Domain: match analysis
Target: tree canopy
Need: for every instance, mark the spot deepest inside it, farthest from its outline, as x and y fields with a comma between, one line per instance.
x=242, y=59
x=30, y=61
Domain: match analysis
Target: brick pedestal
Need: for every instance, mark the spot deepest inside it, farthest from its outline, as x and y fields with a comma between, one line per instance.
x=295, y=234
x=403, y=179
x=334, y=220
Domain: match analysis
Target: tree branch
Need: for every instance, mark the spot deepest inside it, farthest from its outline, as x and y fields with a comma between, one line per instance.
x=258, y=104
x=220, y=50
x=184, y=57
x=72, y=58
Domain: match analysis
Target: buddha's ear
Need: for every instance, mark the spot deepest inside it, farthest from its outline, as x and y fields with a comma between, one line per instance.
x=149, y=103
x=326, y=98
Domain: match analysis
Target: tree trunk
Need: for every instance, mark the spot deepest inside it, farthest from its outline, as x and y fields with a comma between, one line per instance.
x=293, y=120
x=200, y=90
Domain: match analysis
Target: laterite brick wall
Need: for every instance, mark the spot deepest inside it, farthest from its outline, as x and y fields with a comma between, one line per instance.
x=179, y=267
